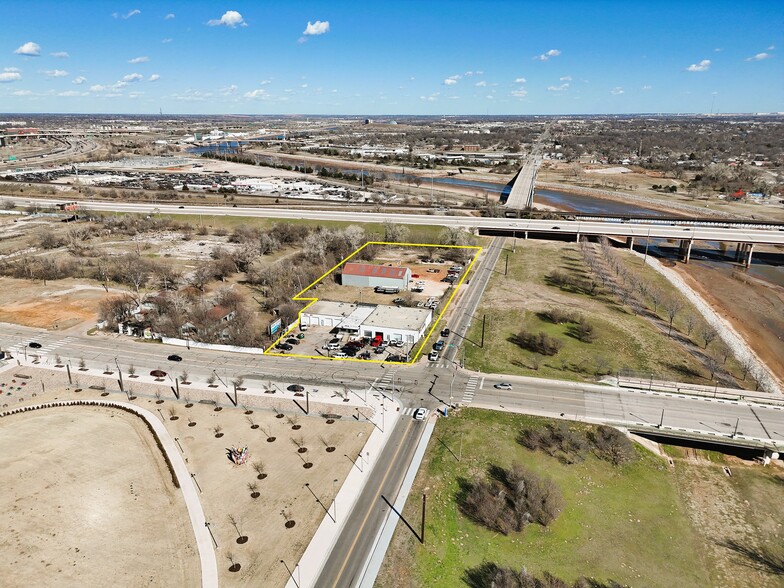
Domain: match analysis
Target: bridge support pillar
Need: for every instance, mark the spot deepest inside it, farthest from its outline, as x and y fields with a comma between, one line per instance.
x=526, y=235
x=630, y=242
x=748, y=257
x=738, y=251
x=577, y=237
x=687, y=253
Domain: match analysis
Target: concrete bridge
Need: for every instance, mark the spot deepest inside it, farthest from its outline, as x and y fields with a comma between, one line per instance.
x=519, y=193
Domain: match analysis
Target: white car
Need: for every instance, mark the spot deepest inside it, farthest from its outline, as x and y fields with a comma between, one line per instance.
x=503, y=386
x=339, y=355
x=419, y=414
x=433, y=356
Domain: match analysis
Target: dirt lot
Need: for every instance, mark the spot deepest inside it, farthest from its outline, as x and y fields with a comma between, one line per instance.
x=57, y=305
x=85, y=491
x=752, y=306
x=224, y=485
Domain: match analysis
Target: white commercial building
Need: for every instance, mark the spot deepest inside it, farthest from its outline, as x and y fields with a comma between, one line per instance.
x=393, y=323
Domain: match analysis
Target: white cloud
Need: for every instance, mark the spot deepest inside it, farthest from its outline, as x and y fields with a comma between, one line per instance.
x=133, y=12
x=166, y=40
x=717, y=49
x=98, y=88
x=143, y=59
x=316, y=28
x=304, y=86
x=490, y=97
x=29, y=49
x=258, y=94
x=759, y=57
x=20, y=92
x=566, y=79
x=79, y=80
x=449, y=82
x=231, y=19
x=561, y=88
x=228, y=90
x=265, y=82
x=10, y=74
x=432, y=98
x=703, y=65
x=481, y=84
x=169, y=16
x=520, y=93
x=520, y=80
x=12, y=69
x=468, y=74
x=647, y=87
x=771, y=48
x=548, y=55
x=134, y=77
x=70, y=93
x=60, y=54
x=56, y=73
x=616, y=91
x=154, y=78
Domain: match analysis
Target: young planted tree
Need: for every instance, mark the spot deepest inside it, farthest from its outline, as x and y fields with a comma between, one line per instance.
x=258, y=467
x=672, y=306
x=217, y=429
x=708, y=334
x=254, y=489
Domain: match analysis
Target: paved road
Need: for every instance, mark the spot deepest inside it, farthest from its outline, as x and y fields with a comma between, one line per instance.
x=355, y=543
x=521, y=226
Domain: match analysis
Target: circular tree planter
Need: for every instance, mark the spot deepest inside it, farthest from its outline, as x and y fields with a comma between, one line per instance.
x=104, y=394
x=248, y=411
x=254, y=426
x=159, y=402
x=302, y=450
x=217, y=409
x=132, y=398
x=242, y=540
x=296, y=427
x=235, y=567
x=255, y=494
x=218, y=435
x=279, y=415
x=271, y=439
x=78, y=390
x=174, y=418
x=261, y=476
x=192, y=424
x=307, y=465
x=330, y=449
x=345, y=400
x=189, y=405
x=330, y=421
x=290, y=524
x=133, y=376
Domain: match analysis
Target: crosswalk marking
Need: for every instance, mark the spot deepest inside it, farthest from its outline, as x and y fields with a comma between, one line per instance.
x=410, y=411
x=470, y=390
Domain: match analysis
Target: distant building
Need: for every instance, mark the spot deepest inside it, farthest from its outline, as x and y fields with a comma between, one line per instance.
x=471, y=147
x=368, y=275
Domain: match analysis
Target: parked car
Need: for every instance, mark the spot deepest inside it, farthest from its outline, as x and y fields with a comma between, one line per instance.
x=438, y=345
x=432, y=356
x=364, y=355
x=445, y=332
x=303, y=327
x=419, y=414
x=284, y=347
x=174, y=357
x=377, y=341
x=292, y=341
x=339, y=355
x=34, y=345
x=503, y=386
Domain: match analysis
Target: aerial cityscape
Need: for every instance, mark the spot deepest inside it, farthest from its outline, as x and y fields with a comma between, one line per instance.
x=480, y=294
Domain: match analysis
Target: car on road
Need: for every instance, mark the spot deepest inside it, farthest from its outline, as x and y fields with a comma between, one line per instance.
x=34, y=345
x=445, y=332
x=503, y=386
x=432, y=356
x=180, y=207
x=438, y=345
x=556, y=228
x=419, y=414
x=174, y=357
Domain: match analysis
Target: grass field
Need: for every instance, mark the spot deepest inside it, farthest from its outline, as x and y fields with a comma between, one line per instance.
x=619, y=523
x=624, y=340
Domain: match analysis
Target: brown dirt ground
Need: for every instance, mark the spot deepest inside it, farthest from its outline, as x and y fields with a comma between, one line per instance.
x=752, y=307
x=84, y=490
x=225, y=485
x=37, y=305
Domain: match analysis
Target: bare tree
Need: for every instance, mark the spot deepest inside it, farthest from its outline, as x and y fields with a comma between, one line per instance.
x=672, y=307
x=708, y=334
x=656, y=297
x=258, y=467
x=690, y=320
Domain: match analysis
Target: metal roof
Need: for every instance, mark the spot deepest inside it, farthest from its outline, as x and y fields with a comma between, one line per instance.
x=377, y=271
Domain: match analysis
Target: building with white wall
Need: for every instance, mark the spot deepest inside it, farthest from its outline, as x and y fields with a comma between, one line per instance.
x=393, y=323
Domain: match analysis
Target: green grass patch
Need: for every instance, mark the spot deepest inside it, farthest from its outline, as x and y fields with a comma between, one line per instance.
x=625, y=524
x=623, y=341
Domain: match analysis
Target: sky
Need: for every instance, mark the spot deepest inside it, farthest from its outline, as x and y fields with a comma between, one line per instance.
x=488, y=57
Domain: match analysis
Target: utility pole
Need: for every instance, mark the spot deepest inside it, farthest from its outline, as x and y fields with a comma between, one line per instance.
x=424, y=505
x=482, y=345
x=506, y=265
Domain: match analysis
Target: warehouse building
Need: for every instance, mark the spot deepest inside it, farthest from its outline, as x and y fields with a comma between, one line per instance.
x=368, y=275
x=391, y=322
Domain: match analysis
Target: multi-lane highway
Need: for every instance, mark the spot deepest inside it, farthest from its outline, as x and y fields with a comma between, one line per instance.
x=518, y=226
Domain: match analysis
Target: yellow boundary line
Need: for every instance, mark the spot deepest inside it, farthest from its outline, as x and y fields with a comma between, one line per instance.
x=298, y=297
